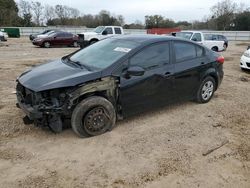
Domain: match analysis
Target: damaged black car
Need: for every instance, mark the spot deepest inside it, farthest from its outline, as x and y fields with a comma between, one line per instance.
x=116, y=78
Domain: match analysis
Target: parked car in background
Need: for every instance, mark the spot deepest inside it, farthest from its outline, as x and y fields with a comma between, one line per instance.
x=217, y=38
x=245, y=60
x=116, y=78
x=3, y=36
x=99, y=33
x=56, y=39
x=200, y=38
x=33, y=36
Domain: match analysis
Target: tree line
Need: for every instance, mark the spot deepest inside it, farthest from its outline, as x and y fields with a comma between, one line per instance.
x=225, y=15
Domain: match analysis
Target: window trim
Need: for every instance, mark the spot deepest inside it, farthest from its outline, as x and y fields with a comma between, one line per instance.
x=155, y=43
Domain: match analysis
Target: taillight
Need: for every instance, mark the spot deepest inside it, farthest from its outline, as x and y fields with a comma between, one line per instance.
x=220, y=59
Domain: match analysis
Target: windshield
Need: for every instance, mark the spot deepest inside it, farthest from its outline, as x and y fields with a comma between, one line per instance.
x=99, y=29
x=50, y=33
x=185, y=35
x=103, y=53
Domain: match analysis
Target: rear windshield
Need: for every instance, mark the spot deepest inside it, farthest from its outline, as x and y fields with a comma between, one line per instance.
x=185, y=35
x=104, y=53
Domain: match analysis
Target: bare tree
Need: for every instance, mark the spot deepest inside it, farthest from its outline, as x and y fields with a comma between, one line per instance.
x=37, y=9
x=49, y=13
x=25, y=12
x=224, y=12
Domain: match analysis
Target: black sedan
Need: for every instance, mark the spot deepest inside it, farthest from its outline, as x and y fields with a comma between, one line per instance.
x=115, y=78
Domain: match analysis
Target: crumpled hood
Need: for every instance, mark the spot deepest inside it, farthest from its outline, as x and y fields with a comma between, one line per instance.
x=55, y=74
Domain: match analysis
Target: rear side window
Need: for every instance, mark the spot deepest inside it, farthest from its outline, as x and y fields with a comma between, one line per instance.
x=184, y=51
x=152, y=56
x=109, y=30
x=60, y=35
x=68, y=35
x=118, y=30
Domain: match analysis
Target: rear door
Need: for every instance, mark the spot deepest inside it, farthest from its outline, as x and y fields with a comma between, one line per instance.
x=190, y=62
x=155, y=87
x=68, y=39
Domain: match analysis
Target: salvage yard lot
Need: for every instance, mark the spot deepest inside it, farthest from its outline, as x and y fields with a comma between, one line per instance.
x=155, y=149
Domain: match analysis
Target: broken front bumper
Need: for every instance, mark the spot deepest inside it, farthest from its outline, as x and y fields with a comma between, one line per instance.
x=41, y=114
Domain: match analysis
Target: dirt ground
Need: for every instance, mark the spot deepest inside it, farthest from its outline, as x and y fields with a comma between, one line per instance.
x=156, y=149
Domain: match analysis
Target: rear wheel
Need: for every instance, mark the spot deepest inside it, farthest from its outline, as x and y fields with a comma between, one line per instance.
x=206, y=90
x=93, y=42
x=46, y=44
x=215, y=49
x=93, y=116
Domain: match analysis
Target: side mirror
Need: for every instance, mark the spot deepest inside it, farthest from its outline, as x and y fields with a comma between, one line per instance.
x=135, y=71
x=104, y=32
x=194, y=39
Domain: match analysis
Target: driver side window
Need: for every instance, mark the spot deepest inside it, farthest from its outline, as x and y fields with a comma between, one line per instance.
x=152, y=56
x=197, y=37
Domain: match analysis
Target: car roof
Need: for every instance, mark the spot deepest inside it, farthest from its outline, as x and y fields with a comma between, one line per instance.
x=144, y=37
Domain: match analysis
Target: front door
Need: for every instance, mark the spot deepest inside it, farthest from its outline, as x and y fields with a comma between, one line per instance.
x=155, y=87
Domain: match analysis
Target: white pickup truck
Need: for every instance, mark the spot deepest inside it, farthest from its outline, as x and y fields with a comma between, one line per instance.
x=99, y=33
x=199, y=38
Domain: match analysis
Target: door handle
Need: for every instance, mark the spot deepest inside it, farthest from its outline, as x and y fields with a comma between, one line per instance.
x=202, y=63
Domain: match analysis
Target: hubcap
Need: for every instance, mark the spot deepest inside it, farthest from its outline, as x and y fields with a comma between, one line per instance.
x=207, y=90
x=96, y=121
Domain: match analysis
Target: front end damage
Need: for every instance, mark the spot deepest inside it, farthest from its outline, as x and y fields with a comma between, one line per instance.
x=50, y=108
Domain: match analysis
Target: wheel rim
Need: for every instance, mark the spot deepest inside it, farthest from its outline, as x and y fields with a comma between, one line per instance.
x=47, y=44
x=96, y=121
x=207, y=90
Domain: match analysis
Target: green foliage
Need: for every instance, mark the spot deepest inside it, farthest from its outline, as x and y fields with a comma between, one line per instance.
x=242, y=21
x=8, y=13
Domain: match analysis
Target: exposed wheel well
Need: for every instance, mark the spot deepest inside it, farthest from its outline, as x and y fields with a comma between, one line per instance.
x=93, y=40
x=216, y=80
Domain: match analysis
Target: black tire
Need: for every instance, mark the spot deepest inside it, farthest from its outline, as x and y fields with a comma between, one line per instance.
x=93, y=42
x=201, y=96
x=90, y=114
x=215, y=49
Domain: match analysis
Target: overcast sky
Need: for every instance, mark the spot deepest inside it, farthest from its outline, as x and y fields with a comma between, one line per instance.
x=136, y=9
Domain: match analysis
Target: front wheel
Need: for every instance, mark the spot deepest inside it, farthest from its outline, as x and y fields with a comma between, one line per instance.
x=46, y=44
x=215, y=49
x=93, y=116
x=206, y=90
